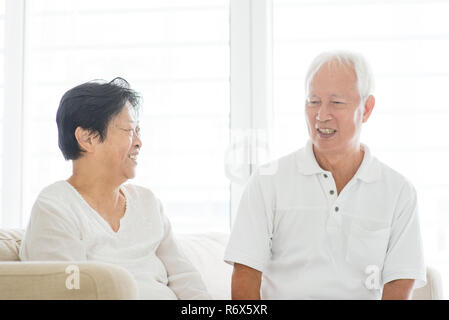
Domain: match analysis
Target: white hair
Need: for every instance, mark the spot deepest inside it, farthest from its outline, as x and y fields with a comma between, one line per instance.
x=365, y=81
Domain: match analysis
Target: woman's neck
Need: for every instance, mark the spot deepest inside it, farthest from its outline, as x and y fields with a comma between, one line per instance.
x=95, y=185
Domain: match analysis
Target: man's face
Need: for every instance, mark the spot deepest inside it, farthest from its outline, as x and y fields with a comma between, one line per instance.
x=334, y=117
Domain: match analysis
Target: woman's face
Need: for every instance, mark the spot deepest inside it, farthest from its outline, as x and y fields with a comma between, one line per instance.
x=119, y=151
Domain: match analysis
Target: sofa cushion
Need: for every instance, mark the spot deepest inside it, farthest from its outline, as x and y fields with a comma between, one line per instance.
x=10, y=240
x=205, y=251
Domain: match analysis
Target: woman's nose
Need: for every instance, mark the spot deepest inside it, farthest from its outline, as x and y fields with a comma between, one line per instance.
x=137, y=141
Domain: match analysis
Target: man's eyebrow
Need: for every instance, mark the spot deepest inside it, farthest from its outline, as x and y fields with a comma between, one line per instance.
x=335, y=95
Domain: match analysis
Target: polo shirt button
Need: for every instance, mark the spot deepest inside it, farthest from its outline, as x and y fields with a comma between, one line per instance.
x=325, y=175
x=336, y=209
x=331, y=192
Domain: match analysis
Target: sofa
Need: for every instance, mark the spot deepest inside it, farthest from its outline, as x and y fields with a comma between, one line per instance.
x=102, y=281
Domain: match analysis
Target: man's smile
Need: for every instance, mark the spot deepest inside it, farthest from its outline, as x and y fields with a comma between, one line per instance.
x=326, y=132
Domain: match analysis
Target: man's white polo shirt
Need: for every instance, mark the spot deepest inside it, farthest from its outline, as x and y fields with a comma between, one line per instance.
x=310, y=243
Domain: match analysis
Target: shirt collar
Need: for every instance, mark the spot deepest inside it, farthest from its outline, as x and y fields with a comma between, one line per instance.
x=306, y=161
x=369, y=170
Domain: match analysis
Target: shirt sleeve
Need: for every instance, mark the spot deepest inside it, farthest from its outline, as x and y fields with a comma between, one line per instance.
x=183, y=279
x=51, y=235
x=250, y=240
x=405, y=257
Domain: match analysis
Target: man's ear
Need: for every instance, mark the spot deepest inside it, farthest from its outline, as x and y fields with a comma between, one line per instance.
x=86, y=139
x=368, y=107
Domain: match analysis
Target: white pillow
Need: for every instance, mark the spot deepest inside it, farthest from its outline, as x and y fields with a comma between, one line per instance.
x=205, y=251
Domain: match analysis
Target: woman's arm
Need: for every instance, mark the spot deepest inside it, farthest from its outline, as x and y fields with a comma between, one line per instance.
x=183, y=278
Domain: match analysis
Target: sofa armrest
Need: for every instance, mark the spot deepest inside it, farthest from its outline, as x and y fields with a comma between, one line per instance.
x=39, y=280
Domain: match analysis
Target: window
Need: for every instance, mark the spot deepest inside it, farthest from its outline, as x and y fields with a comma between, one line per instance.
x=176, y=54
x=406, y=43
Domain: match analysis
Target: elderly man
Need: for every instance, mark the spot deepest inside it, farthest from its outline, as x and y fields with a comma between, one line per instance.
x=332, y=221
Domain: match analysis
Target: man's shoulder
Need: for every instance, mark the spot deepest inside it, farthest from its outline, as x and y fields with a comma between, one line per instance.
x=393, y=177
x=280, y=165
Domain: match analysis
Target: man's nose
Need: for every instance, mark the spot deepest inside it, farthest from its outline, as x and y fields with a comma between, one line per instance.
x=323, y=113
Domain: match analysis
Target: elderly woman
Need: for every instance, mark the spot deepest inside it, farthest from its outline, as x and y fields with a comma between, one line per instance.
x=93, y=215
x=332, y=222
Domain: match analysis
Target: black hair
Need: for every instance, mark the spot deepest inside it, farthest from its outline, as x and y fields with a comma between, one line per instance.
x=91, y=106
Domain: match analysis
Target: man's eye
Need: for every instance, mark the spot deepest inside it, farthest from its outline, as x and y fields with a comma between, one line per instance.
x=336, y=102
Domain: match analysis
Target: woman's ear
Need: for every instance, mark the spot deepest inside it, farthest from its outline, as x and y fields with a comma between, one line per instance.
x=86, y=139
x=368, y=108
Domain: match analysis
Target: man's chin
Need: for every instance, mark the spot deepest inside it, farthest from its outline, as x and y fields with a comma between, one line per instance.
x=324, y=145
x=331, y=142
